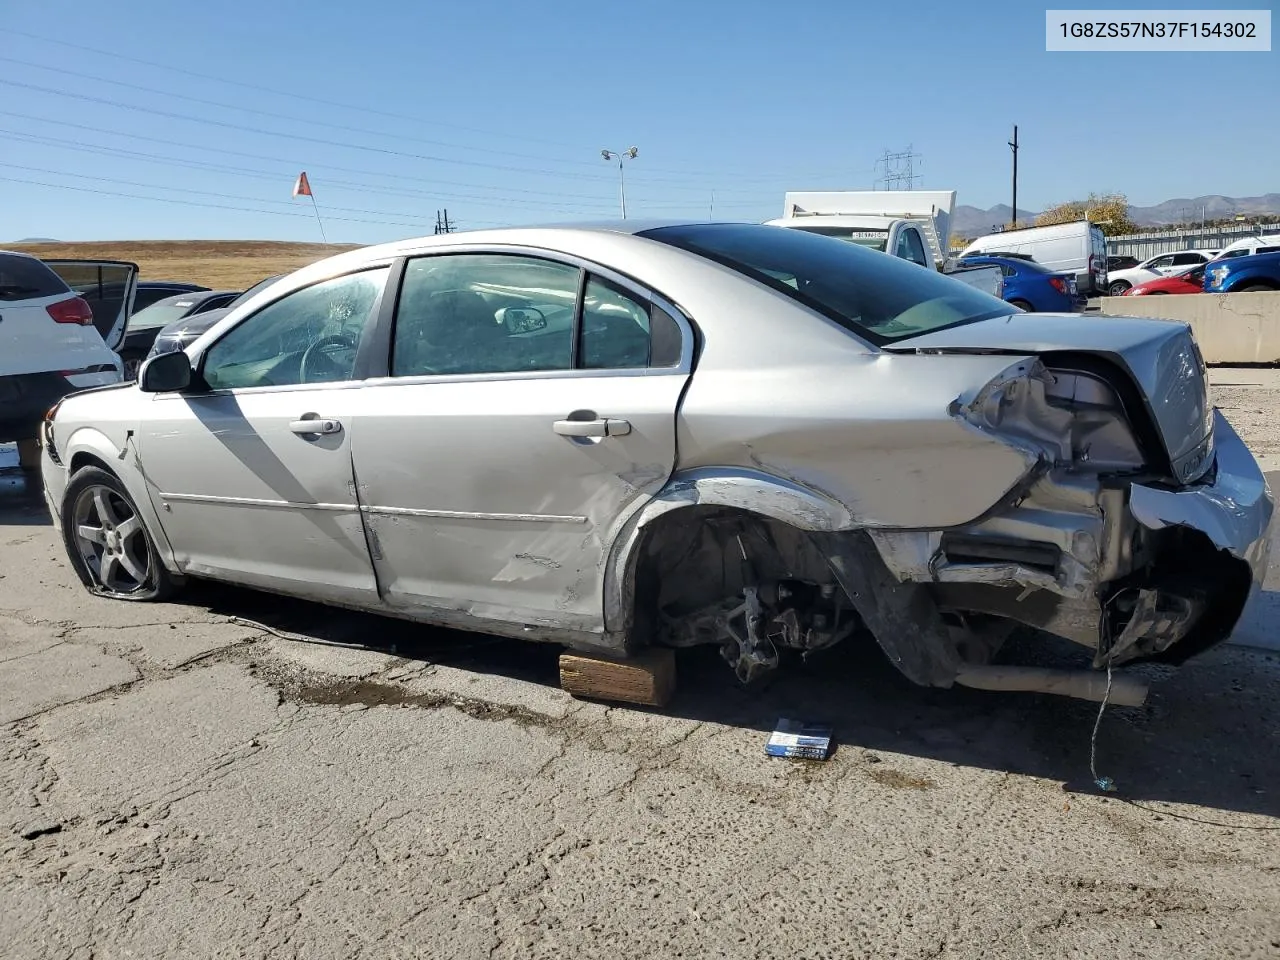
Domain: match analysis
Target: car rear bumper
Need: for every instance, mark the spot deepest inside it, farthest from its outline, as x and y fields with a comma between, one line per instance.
x=1130, y=570
x=25, y=397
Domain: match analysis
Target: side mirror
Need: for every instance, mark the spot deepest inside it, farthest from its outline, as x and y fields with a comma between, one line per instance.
x=522, y=319
x=165, y=373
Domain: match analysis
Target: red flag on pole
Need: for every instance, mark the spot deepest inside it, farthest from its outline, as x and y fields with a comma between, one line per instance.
x=303, y=187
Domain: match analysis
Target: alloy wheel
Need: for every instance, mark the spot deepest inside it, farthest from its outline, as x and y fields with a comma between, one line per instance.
x=111, y=540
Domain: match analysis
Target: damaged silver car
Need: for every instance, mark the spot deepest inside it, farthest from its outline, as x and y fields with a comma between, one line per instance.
x=738, y=435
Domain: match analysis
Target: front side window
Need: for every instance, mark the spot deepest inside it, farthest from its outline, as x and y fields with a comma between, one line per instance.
x=1188, y=259
x=309, y=336
x=1159, y=262
x=877, y=297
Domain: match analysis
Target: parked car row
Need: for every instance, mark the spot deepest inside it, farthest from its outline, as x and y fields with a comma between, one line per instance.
x=1245, y=273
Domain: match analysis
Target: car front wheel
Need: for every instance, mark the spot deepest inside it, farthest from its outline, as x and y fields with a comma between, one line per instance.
x=1118, y=288
x=107, y=541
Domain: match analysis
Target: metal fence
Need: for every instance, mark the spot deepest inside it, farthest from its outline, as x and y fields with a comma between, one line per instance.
x=1144, y=245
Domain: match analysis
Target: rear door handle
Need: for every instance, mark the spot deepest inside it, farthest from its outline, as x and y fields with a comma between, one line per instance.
x=599, y=427
x=312, y=425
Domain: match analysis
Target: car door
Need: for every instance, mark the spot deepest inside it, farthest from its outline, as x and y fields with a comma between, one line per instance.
x=108, y=286
x=250, y=469
x=530, y=404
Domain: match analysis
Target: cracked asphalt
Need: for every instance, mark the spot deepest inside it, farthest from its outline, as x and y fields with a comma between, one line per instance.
x=177, y=781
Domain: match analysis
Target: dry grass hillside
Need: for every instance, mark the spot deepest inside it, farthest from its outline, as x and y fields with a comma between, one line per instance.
x=219, y=264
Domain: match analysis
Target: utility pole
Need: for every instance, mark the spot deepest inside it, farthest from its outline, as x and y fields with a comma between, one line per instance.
x=1013, y=144
x=628, y=154
x=442, y=224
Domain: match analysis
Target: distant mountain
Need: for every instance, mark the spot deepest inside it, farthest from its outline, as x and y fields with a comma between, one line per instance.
x=1214, y=207
x=37, y=240
x=974, y=221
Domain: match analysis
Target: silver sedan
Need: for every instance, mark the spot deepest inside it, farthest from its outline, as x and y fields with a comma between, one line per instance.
x=615, y=436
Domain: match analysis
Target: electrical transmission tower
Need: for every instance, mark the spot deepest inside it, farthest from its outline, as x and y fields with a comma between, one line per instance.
x=899, y=169
x=442, y=223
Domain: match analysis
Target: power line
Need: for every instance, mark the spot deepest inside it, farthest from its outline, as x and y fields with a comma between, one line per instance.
x=386, y=151
x=197, y=203
x=280, y=177
x=62, y=71
x=105, y=101
x=361, y=108
x=290, y=161
x=586, y=206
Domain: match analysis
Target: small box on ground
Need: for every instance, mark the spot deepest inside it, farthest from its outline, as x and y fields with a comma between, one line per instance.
x=648, y=678
x=803, y=741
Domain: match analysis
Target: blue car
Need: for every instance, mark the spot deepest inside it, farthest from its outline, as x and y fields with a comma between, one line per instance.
x=1032, y=287
x=1243, y=274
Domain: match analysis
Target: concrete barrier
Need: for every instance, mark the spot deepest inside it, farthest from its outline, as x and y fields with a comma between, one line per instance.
x=1230, y=327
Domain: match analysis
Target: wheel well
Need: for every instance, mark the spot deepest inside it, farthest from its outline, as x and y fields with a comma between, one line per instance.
x=1255, y=282
x=693, y=557
x=83, y=459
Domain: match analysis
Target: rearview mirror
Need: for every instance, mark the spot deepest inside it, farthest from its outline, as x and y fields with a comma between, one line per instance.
x=165, y=373
x=522, y=319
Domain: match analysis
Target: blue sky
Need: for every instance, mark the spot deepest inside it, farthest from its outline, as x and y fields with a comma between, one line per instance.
x=498, y=112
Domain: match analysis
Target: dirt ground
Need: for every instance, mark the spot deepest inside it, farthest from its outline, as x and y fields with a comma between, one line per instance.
x=217, y=264
x=177, y=781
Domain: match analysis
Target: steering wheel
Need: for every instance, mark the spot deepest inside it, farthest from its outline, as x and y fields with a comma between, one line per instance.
x=318, y=361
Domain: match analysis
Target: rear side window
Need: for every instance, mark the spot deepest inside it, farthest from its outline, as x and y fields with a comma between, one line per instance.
x=25, y=278
x=1188, y=259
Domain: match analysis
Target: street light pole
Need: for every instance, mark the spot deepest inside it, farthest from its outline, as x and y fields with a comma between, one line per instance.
x=629, y=154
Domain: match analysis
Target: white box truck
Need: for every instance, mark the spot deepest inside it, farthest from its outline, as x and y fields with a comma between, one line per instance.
x=911, y=224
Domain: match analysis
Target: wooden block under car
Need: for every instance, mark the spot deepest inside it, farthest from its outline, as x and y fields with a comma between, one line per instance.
x=648, y=678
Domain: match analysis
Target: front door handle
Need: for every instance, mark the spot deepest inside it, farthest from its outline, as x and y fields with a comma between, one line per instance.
x=312, y=425
x=600, y=427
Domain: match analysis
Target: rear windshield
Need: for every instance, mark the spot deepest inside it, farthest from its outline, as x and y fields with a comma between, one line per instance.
x=878, y=297
x=25, y=278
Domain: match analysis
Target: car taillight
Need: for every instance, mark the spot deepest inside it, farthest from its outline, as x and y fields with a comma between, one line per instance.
x=74, y=311
x=1058, y=284
x=1091, y=263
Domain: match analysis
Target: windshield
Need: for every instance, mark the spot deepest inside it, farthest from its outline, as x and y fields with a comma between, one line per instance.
x=159, y=314
x=260, y=285
x=871, y=239
x=878, y=297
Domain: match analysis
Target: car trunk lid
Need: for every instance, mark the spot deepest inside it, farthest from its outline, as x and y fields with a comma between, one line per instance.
x=108, y=286
x=1160, y=355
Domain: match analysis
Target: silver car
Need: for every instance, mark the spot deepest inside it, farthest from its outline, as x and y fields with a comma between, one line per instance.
x=615, y=436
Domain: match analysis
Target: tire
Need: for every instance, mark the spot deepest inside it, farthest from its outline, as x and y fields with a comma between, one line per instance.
x=133, y=570
x=1118, y=288
x=1255, y=288
x=1022, y=305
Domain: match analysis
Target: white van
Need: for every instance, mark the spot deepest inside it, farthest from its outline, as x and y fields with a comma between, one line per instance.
x=59, y=323
x=1248, y=246
x=1079, y=247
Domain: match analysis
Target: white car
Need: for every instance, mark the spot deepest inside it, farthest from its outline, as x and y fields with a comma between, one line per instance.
x=59, y=321
x=1163, y=265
